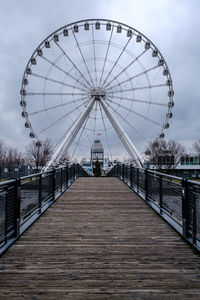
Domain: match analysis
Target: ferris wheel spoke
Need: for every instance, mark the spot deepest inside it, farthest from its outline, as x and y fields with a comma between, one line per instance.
x=122, y=52
x=105, y=60
x=139, y=101
x=139, y=88
x=128, y=66
x=60, y=119
x=127, y=122
x=136, y=113
x=65, y=133
x=107, y=140
x=56, y=106
x=57, y=81
x=133, y=77
x=94, y=54
x=63, y=71
x=67, y=56
x=81, y=53
x=55, y=94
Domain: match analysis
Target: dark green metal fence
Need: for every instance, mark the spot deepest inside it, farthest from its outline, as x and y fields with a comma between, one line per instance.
x=175, y=199
x=24, y=199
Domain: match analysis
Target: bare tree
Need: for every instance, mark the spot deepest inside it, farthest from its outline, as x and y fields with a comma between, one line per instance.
x=165, y=154
x=10, y=156
x=196, y=147
x=65, y=157
x=14, y=157
x=39, y=156
x=3, y=152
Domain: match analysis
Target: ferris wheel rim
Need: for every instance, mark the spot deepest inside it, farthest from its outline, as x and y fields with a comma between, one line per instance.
x=115, y=23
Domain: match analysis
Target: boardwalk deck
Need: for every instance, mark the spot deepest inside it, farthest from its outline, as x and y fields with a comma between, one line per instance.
x=100, y=241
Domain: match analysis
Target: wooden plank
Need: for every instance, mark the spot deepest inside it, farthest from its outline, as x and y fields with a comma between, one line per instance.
x=100, y=241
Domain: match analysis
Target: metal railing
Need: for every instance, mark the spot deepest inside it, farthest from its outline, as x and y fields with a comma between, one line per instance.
x=24, y=199
x=175, y=199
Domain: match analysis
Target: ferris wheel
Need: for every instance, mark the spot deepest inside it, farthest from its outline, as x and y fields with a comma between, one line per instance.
x=97, y=77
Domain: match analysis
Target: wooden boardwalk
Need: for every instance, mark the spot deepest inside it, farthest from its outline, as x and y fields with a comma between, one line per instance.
x=100, y=241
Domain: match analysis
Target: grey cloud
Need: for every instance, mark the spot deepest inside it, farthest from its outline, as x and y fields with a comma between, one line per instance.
x=172, y=25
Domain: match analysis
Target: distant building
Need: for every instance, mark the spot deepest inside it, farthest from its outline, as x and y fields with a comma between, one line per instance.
x=11, y=172
x=190, y=160
x=86, y=164
x=189, y=166
x=97, y=152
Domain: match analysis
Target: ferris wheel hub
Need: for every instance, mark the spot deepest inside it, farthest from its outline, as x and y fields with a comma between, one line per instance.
x=97, y=93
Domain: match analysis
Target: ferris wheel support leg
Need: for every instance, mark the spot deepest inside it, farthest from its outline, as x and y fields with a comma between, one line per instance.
x=71, y=135
x=131, y=149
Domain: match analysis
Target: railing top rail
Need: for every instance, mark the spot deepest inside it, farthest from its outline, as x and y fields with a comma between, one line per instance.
x=164, y=174
x=193, y=182
x=31, y=175
x=153, y=171
x=6, y=182
x=35, y=174
x=159, y=174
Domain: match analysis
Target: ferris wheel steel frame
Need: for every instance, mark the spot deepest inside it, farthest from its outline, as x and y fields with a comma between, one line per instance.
x=101, y=93
x=71, y=135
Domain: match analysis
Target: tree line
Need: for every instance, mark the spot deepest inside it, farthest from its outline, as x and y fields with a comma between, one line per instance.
x=33, y=155
x=163, y=154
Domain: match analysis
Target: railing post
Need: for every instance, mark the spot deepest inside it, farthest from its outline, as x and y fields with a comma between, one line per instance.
x=61, y=179
x=126, y=174
x=131, y=175
x=67, y=176
x=137, y=180
x=40, y=193
x=146, y=184
x=70, y=174
x=54, y=183
x=78, y=170
x=194, y=228
x=160, y=192
x=73, y=173
x=124, y=179
x=184, y=207
x=17, y=206
x=6, y=217
x=117, y=171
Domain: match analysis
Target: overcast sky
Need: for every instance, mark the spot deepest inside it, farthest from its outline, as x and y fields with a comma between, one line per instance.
x=173, y=25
